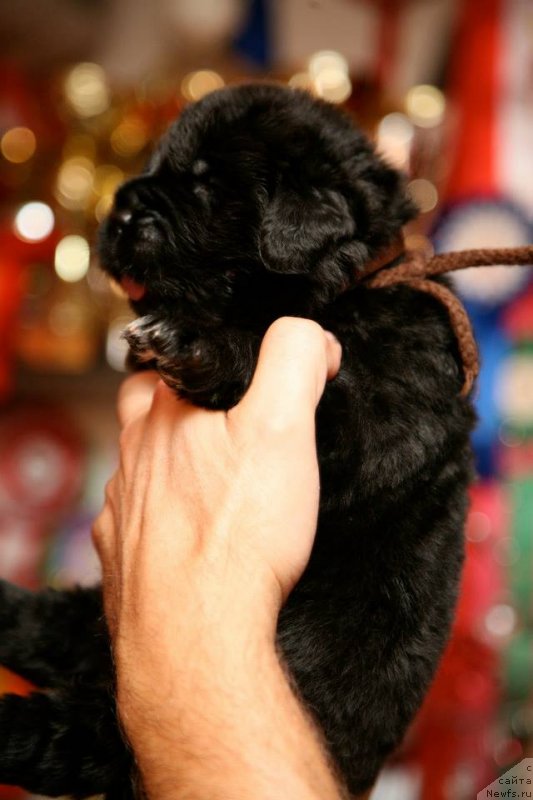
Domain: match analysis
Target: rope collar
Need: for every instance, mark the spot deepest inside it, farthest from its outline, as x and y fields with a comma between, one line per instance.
x=416, y=270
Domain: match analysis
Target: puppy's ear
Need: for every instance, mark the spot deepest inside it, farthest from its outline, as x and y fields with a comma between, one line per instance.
x=298, y=228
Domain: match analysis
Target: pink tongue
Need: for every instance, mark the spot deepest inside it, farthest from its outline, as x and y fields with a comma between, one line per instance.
x=134, y=290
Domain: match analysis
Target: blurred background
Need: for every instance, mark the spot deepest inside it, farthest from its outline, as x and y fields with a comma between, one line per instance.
x=445, y=88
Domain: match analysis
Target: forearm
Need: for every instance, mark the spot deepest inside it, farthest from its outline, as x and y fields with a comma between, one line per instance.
x=237, y=733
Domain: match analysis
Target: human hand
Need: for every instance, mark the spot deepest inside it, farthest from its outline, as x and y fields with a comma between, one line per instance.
x=219, y=494
x=208, y=524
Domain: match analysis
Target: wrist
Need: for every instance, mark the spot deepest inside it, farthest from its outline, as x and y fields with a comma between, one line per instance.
x=170, y=682
x=231, y=729
x=202, y=721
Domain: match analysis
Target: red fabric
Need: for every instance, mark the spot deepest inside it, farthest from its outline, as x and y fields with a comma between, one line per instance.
x=474, y=91
x=14, y=256
x=459, y=711
x=11, y=287
x=388, y=40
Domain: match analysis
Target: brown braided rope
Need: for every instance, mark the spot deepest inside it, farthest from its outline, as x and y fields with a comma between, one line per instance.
x=415, y=270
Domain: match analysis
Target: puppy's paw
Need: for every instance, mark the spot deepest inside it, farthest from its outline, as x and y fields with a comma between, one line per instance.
x=182, y=359
x=152, y=345
x=212, y=370
x=145, y=338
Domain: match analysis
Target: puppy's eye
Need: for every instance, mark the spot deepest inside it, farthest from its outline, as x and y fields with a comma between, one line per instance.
x=200, y=167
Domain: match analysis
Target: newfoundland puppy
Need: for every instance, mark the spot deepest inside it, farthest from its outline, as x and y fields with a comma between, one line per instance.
x=260, y=202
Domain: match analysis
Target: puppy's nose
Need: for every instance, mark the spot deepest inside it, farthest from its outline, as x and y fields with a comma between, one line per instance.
x=132, y=202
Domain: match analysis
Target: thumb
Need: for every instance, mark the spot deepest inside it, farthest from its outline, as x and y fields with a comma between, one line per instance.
x=296, y=358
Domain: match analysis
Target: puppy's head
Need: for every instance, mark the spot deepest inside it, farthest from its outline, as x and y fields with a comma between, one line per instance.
x=259, y=201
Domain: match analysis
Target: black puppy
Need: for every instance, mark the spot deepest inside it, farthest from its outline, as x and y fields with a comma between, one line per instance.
x=262, y=202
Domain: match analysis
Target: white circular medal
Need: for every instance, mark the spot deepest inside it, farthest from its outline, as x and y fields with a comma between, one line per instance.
x=485, y=224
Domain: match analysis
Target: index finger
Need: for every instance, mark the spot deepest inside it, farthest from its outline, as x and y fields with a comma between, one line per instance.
x=296, y=358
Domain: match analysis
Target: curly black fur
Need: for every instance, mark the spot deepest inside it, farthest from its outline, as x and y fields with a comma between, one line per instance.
x=262, y=202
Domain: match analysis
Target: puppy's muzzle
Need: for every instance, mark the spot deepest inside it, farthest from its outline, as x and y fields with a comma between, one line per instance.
x=135, y=206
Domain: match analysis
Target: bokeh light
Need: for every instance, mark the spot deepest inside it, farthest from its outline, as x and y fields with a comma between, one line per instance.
x=18, y=145
x=129, y=137
x=196, y=85
x=500, y=620
x=116, y=345
x=34, y=222
x=329, y=75
x=424, y=194
x=425, y=105
x=86, y=89
x=394, y=139
x=72, y=258
x=327, y=60
x=333, y=86
x=75, y=182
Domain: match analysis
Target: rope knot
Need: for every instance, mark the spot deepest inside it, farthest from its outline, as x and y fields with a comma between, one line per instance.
x=416, y=270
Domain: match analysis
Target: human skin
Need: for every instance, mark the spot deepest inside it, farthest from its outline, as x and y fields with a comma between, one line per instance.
x=208, y=524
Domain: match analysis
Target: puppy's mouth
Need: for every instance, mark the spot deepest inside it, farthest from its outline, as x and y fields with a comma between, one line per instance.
x=135, y=291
